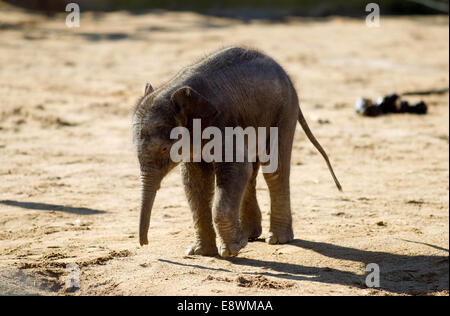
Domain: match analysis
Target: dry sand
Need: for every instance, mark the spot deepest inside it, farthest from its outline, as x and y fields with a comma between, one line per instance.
x=69, y=180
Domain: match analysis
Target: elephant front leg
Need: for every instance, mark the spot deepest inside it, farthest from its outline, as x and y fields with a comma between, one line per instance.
x=198, y=180
x=231, y=181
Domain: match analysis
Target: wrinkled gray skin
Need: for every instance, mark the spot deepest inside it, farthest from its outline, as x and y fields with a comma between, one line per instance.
x=232, y=87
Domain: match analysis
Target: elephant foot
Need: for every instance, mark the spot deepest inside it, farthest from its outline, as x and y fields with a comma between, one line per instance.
x=199, y=248
x=252, y=231
x=231, y=249
x=280, y=237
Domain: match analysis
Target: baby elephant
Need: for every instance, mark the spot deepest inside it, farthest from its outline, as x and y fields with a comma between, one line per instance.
x=234, y=87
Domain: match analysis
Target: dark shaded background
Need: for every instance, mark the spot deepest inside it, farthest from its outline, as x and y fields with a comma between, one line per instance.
x=247, y=8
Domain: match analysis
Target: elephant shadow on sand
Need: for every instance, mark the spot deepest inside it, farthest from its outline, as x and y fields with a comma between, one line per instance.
x=399, y=274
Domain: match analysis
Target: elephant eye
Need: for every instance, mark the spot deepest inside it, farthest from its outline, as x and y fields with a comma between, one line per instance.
x=164, y=149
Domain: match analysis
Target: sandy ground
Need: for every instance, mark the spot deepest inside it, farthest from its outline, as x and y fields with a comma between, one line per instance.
x=69, y=185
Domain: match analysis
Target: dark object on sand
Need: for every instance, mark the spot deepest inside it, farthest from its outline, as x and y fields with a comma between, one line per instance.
x=404, y=107
x=391, y=103
x=418, y=108
x=373, y=110
x=367, y=108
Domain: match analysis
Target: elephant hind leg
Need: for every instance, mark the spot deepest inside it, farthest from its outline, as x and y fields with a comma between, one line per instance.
x=250, y=213
x=278, y=182
x=280, y=231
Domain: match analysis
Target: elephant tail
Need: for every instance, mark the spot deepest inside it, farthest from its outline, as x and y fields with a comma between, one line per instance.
x=313, y=140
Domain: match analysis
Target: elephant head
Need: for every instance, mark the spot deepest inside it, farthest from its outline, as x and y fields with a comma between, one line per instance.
x=156, y=114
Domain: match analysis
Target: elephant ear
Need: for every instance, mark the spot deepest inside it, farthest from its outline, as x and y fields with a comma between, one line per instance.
x=189, y=105
x=148, y=89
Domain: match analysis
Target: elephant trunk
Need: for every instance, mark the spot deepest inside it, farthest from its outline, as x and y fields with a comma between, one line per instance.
x=150, y=184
